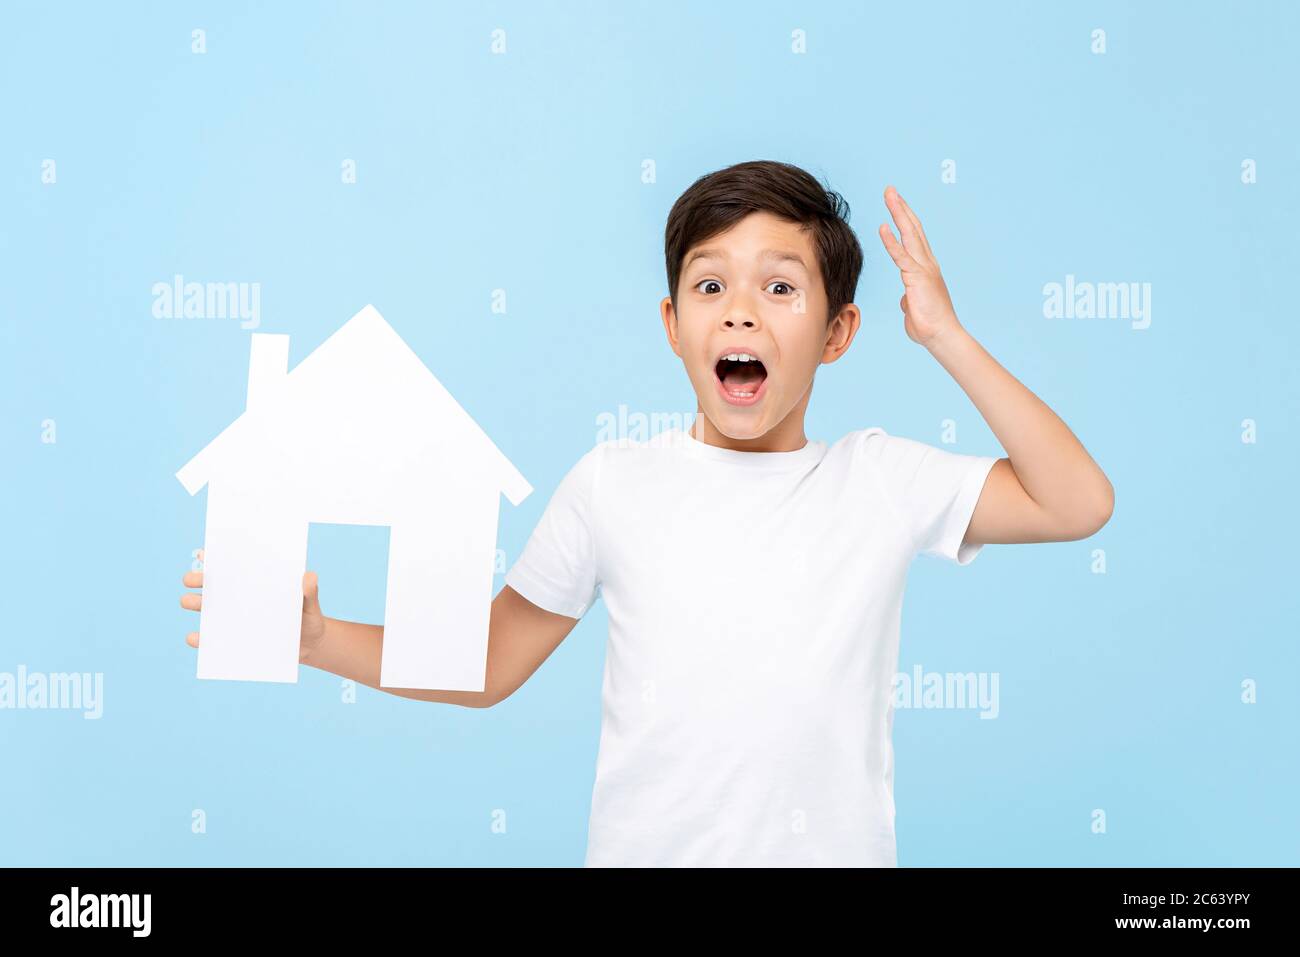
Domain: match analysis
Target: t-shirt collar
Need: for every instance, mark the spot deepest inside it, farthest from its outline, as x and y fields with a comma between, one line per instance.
x=810, y=453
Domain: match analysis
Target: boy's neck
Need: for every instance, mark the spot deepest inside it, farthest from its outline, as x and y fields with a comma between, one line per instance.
x=788, y=436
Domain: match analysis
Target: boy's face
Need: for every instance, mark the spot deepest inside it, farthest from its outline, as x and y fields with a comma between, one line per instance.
x=755, y=293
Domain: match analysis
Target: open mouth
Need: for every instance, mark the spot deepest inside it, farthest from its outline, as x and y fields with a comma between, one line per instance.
x=741, y=377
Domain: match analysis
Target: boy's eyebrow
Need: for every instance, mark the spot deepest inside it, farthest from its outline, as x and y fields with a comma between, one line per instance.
x=777, y=255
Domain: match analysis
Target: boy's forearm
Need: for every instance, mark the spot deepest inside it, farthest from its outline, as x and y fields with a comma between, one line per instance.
x=1053, y=466
x=352, y=650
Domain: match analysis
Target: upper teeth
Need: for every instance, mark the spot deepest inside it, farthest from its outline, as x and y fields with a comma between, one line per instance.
x=740, y=357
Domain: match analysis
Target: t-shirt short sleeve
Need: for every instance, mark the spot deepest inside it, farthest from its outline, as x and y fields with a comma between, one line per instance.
x=934, y=490
x=557, y=569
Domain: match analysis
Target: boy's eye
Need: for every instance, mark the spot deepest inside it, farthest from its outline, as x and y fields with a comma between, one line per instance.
x=785, y=286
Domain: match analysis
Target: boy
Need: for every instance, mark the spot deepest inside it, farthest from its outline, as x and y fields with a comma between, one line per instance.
x=754, y=578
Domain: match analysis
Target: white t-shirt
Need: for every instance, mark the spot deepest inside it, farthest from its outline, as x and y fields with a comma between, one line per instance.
x=754, y=602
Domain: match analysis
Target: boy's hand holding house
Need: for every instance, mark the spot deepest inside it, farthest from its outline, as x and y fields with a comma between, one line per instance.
x=313, y=620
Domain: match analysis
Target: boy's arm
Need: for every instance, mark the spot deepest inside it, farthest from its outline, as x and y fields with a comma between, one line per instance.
x=1048, y=488
x=520, y=637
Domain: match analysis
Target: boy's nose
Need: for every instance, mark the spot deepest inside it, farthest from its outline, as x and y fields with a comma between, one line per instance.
x=741, y=311
x=740, y=314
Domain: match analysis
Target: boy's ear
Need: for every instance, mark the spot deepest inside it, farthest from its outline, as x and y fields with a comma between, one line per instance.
x=669, y=316
x=840, y=332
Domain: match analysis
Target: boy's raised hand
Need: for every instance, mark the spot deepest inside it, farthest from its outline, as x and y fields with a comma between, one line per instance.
x=927, y=308
x=313, y=622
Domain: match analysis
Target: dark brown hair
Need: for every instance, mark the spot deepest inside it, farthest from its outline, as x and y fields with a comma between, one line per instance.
x=717, y=201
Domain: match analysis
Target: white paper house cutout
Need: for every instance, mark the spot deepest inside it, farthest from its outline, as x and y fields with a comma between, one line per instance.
x=360, y=432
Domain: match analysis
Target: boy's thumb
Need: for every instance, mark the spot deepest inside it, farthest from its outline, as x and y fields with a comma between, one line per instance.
x=310, y=593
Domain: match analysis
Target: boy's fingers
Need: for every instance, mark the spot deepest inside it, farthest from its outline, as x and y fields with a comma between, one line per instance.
x=192, y=579
x=192, y=639
x=192, y=602
x=310, y=593
x=920, y=230
x=894, y=203
x=909, y=227
x=907, y=210
x=895, y=249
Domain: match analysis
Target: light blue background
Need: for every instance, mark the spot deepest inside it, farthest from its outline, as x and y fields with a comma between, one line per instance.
x=522, y=171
